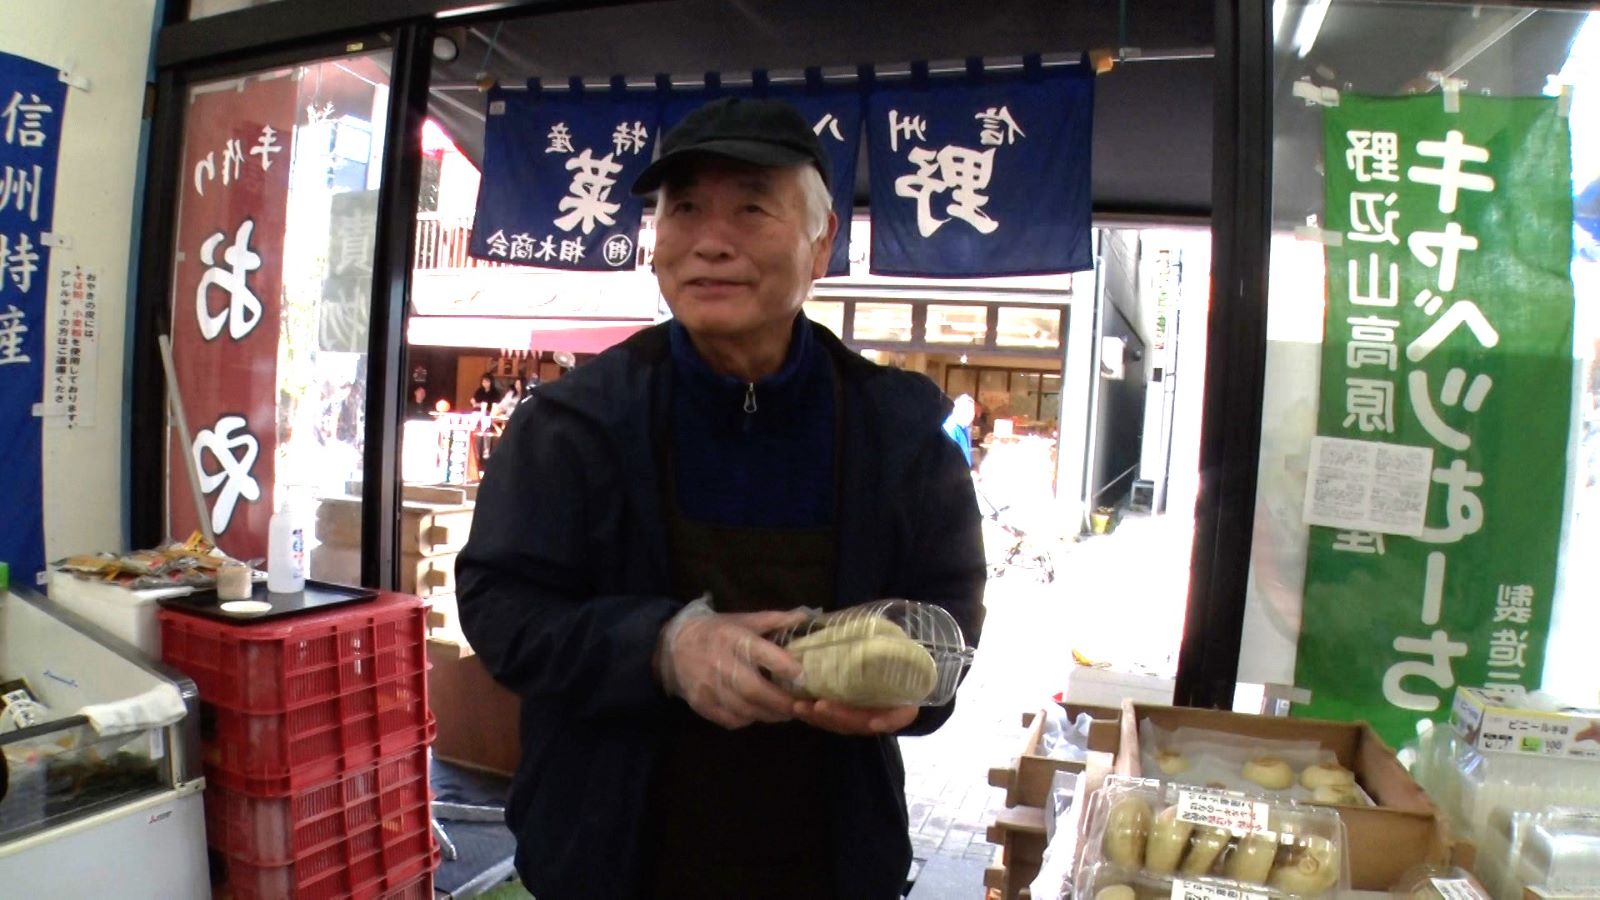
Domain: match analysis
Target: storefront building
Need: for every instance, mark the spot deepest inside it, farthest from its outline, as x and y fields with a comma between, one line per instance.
x=1364, y=206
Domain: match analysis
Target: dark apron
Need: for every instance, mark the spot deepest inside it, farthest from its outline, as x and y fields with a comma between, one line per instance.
x=744, y=813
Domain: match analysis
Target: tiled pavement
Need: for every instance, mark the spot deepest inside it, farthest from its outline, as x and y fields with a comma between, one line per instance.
x=1030, y=631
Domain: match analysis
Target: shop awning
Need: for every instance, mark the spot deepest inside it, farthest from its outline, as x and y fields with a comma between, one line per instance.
x=571, y=335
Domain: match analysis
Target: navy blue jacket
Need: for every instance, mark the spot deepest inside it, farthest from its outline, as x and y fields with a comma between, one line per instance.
x=564, y=586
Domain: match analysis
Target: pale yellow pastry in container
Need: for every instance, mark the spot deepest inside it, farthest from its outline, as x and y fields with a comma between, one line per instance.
x=1171, y=762
x=1341, y=794
x=1327, y=774
x=1269, y=772
x=1251, y=859
x=1208, y=845
x=865, y=662
x=1169, y=837
x=1311, y=867
x=1127, y=830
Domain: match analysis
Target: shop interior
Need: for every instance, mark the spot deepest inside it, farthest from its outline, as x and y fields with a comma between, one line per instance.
x=1140, y=435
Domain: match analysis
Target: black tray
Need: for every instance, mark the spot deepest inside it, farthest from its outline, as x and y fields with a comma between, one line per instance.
x=318, y=595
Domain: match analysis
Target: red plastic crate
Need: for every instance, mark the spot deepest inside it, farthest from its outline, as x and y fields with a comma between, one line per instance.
x=279, y=830
x=274, y=755
x=280, y=664
x=421, y=889
x=400, y=868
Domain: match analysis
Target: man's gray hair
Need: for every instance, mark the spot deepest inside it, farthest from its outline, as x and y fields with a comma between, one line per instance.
x=818, y=201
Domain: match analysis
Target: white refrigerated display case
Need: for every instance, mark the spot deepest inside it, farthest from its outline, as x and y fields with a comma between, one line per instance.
x=103, y=802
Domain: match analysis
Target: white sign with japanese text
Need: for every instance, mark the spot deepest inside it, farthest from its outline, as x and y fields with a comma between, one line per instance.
x=1368, y=486
x=1196, y=890
x=74, y=350
x=1240, y=815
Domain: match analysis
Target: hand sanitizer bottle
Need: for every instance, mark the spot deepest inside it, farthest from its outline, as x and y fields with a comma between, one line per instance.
x=286, y=552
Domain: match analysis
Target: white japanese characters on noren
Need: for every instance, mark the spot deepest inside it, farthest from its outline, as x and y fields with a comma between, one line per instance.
x=963, y=172
x=587, y=199
x=19, y=262
x=13, y=326
x=24, y=120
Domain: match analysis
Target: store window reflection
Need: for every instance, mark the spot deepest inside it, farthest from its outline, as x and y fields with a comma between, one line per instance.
x=883, y=322
x=1026, y=327
x=827, y=313
x=956, y=324
x=272, y=292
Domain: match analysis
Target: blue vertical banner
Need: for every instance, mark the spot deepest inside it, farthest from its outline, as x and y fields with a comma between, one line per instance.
x=981, y=175
x=834, y=114
x=32, y=99
x=556, y=172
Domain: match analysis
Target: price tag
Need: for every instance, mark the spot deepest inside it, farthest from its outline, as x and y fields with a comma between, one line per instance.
x=1456, y=889
x=1198, y=890
x=1236, y=814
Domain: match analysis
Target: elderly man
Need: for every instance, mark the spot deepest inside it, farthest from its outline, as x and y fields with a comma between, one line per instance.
x=741, y=452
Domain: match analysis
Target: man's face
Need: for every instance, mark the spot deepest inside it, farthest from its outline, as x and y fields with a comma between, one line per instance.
x=733, y=255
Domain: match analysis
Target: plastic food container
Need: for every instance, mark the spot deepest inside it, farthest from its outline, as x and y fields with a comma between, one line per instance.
x=1563, y=851
x=1438, y=883
x=1146, y=839
x=885, y=653
x=1470, y=785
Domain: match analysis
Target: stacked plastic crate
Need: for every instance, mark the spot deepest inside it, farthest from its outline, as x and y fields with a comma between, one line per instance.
x=315, y=731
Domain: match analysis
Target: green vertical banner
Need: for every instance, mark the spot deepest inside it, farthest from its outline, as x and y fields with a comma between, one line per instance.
x=1439, y=471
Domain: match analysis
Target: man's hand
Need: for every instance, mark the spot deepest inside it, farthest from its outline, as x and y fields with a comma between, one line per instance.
x=841, y=718
x=714, y=661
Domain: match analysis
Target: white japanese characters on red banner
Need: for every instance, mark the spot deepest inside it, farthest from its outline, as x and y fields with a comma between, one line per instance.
x=227, y=305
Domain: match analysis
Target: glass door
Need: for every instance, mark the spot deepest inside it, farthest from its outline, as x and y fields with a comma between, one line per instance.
x=272, y=287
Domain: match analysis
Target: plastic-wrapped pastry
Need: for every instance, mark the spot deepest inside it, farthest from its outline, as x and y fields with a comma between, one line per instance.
x=1251, y=860
x=865, y=662
x=1169, y=837
x=1208, y=845
x=1310, y=867
x=1115, y=892
x=883, y=653
x=1127, y=830
x=1269, y=772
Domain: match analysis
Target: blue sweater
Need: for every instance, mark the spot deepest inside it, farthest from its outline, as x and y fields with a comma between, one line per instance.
x=768, y=468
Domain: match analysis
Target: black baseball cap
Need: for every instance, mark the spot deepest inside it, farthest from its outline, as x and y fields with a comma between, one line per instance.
x=764, y=132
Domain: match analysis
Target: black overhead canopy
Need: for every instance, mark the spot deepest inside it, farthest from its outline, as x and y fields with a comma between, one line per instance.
x=1152, y=120
x=1391, y=50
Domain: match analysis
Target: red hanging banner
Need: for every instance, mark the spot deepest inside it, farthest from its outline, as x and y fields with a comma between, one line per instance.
x=227, y=306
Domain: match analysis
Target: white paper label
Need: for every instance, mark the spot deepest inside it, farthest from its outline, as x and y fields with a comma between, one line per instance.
x=70, y=386
x=1456, y=889
x=1196, y=890
x=1368, y=486
x=1236, y=814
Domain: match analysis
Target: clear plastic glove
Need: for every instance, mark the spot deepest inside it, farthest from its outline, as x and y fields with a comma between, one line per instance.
x=855, y=721
x=717, y=662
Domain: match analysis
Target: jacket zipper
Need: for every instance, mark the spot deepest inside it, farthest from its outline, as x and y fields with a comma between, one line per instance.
x=750, y=397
